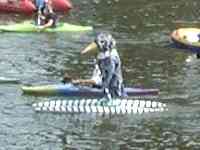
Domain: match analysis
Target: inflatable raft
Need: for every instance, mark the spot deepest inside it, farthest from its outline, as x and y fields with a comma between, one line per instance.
x=27, y=7
x=187, y=38
x=82, y=91
x=21, y=6
x=61, y=5
x=29, y=26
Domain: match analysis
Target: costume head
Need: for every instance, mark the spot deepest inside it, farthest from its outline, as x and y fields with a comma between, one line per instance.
x=104, y=42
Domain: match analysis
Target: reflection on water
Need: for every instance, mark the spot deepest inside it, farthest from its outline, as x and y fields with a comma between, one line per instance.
x=142, y=30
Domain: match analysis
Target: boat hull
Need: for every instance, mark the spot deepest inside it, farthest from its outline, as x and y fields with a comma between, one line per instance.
x=187, y=38
x=28, y=26
x=81, y=91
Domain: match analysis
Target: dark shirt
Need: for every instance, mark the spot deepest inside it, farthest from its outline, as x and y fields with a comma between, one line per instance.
x=49, y=17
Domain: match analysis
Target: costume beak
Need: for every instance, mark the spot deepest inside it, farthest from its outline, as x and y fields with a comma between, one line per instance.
x=91, y=47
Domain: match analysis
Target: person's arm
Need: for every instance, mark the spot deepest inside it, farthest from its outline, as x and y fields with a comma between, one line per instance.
x=95, y=80
x=47, y=25
x=84, y=81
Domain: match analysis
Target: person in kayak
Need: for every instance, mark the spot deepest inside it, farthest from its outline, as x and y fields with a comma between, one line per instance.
x=48, y=20
x=107, y=73
x=41, y=7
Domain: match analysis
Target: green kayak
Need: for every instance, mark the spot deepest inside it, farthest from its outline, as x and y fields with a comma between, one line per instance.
x=29, y=26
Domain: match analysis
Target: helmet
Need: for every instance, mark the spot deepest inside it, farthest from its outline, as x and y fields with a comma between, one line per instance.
x=105, y=42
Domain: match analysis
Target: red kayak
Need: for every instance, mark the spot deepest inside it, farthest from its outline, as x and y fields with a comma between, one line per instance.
x=27, y=6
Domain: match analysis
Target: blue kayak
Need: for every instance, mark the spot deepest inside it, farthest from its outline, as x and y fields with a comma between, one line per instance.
x=81, y=91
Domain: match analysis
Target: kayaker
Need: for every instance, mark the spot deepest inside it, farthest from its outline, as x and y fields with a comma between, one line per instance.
x=107, y=73
x=42, y=6
x=48, y=19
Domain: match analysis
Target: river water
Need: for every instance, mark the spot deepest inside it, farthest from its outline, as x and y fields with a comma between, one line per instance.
x=142, y=29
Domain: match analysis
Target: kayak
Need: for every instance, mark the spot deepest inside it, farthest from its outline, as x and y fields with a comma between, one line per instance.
x=81, y=91
x=116, y=106
x=21, y=6
x=29, y=26
x=187, y=38
x=27, y=7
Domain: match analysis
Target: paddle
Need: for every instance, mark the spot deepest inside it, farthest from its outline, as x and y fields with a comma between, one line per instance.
x=38, y=19
x=39, y=28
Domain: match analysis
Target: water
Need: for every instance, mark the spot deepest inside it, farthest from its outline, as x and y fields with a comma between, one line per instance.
x=142, y=29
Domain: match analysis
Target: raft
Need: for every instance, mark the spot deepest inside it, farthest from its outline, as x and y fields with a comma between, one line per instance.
x=21, y=6
x=27, y=7
x=29, y=26
x=187, y=38
x=62, y=5
x=82, y=91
